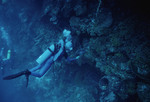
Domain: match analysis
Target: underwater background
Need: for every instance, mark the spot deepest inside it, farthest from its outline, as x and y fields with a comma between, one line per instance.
x=112, y=38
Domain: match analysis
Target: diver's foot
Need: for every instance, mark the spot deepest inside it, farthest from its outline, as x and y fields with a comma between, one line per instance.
x=27, y=72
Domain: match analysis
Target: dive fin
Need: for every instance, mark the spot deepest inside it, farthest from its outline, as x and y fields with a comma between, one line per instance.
x=13, y=76
x=27, y=77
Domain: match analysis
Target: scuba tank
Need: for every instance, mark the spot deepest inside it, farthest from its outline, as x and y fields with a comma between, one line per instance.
x=49, y=51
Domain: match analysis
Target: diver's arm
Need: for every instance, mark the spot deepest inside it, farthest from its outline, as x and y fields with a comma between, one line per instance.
x=73, y=59
x=61, y=42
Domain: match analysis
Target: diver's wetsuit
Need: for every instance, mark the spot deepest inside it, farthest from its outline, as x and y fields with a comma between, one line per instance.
x=47, y=64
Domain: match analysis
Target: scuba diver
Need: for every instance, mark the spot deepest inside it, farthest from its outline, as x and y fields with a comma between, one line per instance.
x=4, y=60
x=45, y=61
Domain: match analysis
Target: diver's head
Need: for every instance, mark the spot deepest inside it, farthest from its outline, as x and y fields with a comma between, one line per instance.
x=68, y=40
x=66, y=33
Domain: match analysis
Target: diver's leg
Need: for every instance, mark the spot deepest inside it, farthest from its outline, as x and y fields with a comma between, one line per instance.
x=44, y=68
x=35, y=68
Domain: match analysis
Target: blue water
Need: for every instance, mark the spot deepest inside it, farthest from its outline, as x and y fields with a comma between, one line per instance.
x=110, y=56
